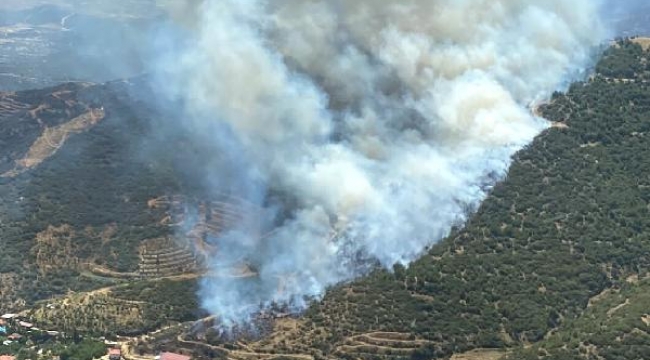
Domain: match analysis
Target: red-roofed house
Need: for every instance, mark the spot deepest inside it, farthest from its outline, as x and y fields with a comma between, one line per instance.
x=7, y=357
x=173, y=356
x=114, y=354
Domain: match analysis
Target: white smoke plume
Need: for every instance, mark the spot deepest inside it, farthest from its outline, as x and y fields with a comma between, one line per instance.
x=382, y=121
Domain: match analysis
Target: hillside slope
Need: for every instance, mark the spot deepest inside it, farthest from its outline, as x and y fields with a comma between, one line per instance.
x=570, y=221
x=78, y=170
x=568, y=228
x=615, y=325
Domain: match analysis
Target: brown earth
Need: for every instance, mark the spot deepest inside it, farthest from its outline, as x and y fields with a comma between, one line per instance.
x=643, y=41
x=53, y=138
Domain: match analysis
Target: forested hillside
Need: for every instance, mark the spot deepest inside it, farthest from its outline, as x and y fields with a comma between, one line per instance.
x=74, y=197
x=553, y=265
x=570, y=222
x=615, y=325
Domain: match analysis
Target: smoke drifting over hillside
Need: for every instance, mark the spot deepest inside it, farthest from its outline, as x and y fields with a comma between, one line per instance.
x=380, y=123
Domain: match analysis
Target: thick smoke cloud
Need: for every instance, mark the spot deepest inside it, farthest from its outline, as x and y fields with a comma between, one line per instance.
x=379, y=124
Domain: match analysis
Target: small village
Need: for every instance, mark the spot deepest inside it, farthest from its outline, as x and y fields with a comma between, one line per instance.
x=21, y=339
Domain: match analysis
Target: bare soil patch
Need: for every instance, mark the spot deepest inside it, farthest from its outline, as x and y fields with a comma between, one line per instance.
x=643, y=41
x=479, y=354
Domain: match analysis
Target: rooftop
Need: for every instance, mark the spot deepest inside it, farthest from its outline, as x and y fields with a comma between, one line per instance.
x=26, y=324
x=173, y=356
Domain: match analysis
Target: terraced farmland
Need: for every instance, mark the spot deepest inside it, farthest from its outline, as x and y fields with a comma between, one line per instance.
x=390, y=344
x=163, y=257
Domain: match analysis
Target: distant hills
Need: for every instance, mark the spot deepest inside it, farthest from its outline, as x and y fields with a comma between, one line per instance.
x=629, y=17
x=47, y=42
x=50, y=44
